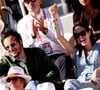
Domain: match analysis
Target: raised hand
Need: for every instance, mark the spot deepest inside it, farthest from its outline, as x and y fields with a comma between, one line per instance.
x=53, y=10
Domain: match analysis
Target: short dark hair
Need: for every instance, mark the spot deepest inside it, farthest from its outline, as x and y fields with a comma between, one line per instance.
x=10, y=32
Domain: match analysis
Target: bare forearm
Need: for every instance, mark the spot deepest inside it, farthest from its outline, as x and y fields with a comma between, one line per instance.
x=63, y=42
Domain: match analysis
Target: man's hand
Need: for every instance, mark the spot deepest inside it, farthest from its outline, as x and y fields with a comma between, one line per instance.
x=41, y=25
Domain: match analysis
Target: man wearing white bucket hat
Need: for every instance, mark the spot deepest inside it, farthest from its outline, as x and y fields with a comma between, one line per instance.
x=16, y=78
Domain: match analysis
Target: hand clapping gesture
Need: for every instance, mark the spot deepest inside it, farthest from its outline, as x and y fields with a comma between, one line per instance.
x=39, y=24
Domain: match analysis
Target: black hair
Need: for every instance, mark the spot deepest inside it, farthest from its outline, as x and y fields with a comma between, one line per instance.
x=77, y=7
x=9, y=32
x=92, y=37
x=95, y=4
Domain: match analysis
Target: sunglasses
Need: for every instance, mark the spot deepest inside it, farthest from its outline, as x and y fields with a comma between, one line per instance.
x=28, y=1
x=11, y=45
x=14, y=79
x=77, y=35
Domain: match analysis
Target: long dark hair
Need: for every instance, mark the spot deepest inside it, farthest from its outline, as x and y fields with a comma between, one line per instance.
x=92, y=37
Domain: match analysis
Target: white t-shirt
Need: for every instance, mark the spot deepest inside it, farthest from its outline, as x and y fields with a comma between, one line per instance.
x=48, y=43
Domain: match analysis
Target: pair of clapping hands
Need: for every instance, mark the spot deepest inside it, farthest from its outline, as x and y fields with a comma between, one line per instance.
x=40, y=23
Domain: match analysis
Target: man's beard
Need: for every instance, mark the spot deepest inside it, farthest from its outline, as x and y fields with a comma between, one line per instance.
x=17, y=55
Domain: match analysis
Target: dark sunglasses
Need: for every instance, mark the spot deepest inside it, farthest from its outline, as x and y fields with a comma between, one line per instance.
x=14, y=79
x=11, y=45
x=77, y=35
x=28, y=1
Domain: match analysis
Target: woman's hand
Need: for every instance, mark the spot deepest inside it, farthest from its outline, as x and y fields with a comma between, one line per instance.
x=53, y=10
x=96, y=76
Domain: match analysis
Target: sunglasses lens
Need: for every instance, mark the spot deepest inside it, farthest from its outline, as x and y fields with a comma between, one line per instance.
x=77, y=35
x=83, y=33
x=12, y=79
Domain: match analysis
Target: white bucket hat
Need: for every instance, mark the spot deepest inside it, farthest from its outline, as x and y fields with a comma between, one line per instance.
x=46, y=86
x=16, y=71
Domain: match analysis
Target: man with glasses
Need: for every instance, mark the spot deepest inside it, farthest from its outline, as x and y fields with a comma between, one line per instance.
x=33, y=60
x=36, y=29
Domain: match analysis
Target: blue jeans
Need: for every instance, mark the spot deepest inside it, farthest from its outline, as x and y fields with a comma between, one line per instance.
x=74, y=84
x=32, y=85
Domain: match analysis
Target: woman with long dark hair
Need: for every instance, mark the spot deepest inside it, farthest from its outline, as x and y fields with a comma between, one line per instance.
x=86, y=57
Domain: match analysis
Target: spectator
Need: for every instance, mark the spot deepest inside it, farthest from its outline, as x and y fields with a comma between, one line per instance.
x=33, y=60
x=88, y=10
x=37, y=30
x=16, y=78
x=86, y=58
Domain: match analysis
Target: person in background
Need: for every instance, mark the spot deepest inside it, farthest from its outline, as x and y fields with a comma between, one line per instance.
x=88, y=10
x=86, y=58
x=16, y=78
x=33, y=60
x=37, y=30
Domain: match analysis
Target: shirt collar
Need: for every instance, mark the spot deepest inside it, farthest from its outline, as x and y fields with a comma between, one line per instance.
x=39, y=15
